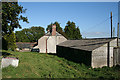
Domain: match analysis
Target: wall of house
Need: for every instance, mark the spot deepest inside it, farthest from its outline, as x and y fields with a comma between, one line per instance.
x=51, y=43
x=26, y=50
x=42, y=44
x=61, y=39
x=99, y=55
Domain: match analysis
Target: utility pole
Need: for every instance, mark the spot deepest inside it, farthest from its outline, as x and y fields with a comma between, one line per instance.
x=113, y=32
x=117, y=34
x=108, y=54
x=111, y=24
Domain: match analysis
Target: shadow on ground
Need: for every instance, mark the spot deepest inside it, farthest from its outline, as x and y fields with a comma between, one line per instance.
x=74, y=58
x=52, y=54
x=5, y=54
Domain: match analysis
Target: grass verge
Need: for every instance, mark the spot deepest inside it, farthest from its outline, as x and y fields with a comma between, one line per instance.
x=37, y=65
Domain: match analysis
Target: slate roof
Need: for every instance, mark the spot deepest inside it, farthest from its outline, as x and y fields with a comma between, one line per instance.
x=25, y=44
x=86, y=44
x=49, y=34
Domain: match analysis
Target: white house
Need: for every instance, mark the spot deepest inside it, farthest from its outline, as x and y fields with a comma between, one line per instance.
x=47, y=43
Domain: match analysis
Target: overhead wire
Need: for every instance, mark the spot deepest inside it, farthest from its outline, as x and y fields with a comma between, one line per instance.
x=98, y=24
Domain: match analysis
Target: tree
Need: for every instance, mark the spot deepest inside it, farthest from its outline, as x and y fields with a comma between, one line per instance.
x=78, y=34
x=30, y=35
x=11, y=41
x=58, y=28
x=11, y=15
x=71, y=31
x=21, y=37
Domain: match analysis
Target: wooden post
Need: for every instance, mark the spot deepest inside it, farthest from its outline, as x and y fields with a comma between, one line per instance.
x=108, y=54
x=118, y=35
x=111, y=24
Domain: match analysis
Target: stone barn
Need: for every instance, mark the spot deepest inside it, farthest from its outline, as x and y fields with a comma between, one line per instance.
x=97, y=52
x=47, y=43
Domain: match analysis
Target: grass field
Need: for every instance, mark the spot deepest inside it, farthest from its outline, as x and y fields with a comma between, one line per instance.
x=36, y=65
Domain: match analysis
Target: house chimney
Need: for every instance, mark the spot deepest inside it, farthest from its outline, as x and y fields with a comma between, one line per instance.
x=53, y=30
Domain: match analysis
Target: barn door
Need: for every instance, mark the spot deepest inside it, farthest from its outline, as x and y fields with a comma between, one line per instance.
x=116, y=56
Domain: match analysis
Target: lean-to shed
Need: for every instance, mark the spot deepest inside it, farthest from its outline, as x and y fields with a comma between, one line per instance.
x=96, y=52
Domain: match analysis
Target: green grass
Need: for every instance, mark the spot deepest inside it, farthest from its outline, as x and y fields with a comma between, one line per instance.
x=36, y=65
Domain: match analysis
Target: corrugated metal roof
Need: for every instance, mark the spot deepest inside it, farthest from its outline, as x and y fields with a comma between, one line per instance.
x=86, y=44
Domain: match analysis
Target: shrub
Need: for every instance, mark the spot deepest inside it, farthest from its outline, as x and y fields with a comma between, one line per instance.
x=9, y=41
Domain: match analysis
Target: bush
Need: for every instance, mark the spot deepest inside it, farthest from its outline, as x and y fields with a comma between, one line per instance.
x=4, y=44
x=9, y=41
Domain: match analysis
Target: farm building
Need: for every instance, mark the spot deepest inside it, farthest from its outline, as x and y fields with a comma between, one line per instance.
x=97, y=52
x=25, y=46
x=47, y=43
